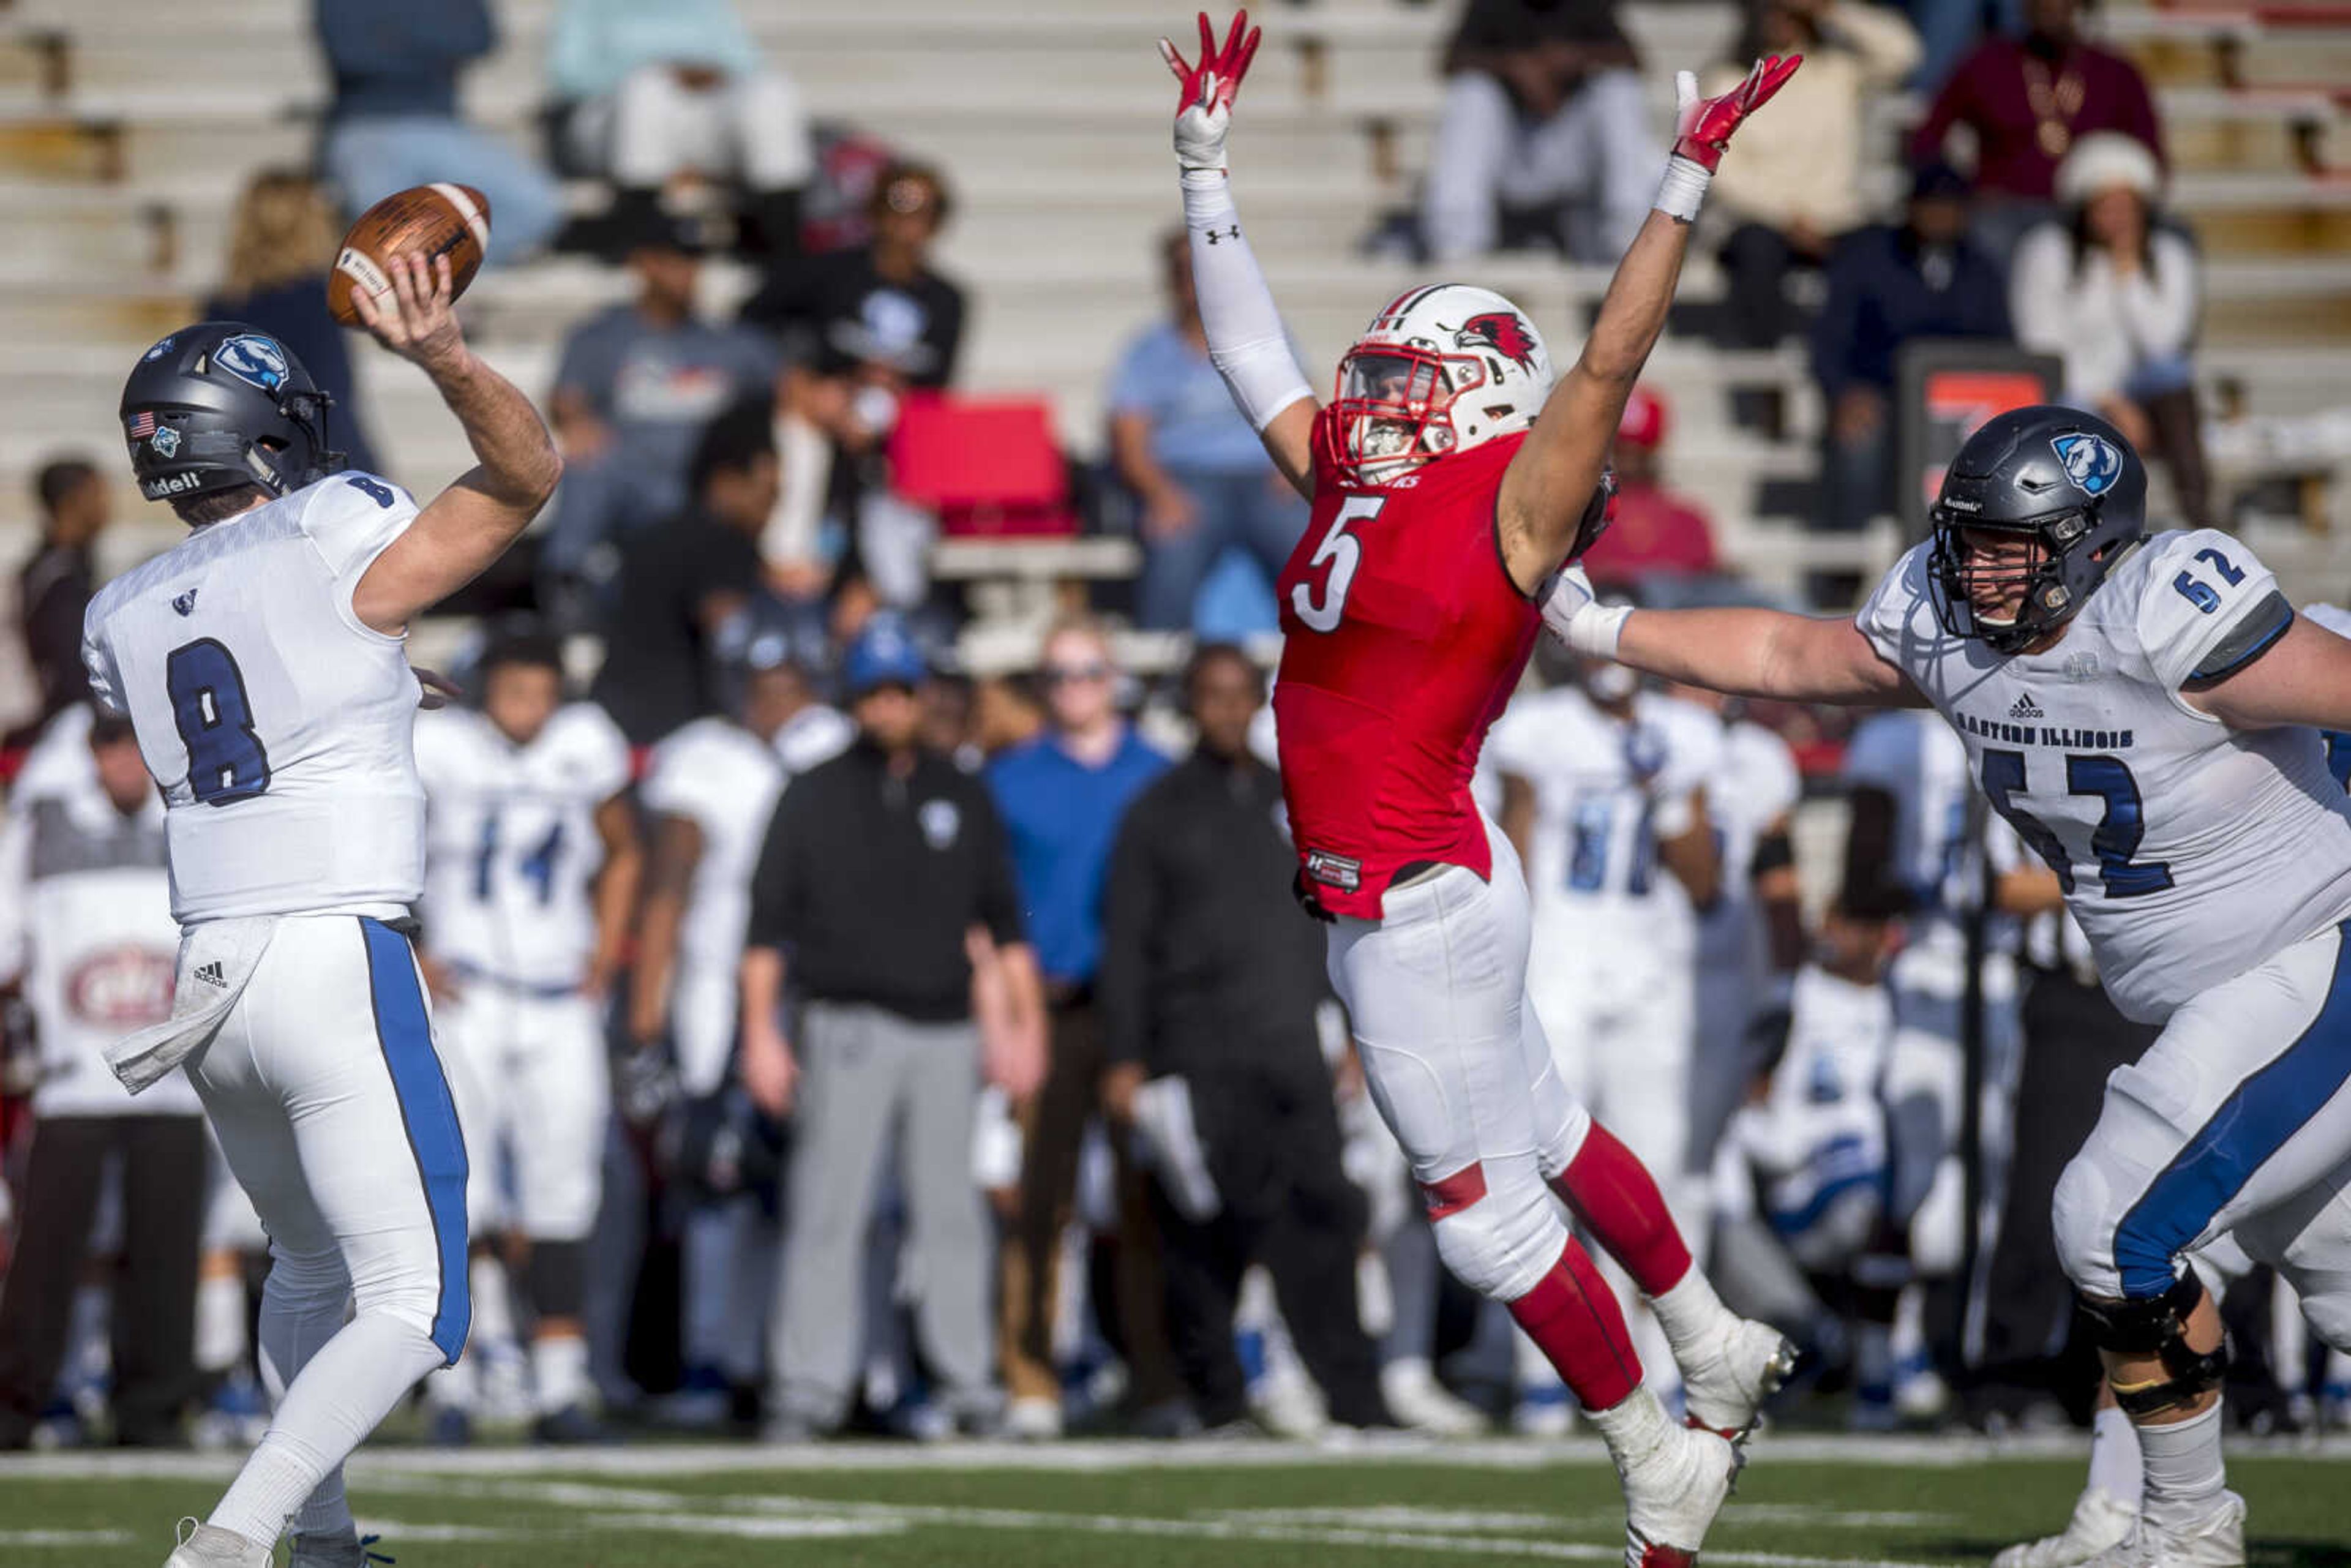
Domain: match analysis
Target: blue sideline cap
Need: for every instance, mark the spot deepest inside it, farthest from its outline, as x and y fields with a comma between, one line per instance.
x=884, y=653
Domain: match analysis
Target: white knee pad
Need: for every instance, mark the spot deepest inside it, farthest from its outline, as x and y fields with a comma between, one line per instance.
x=2082, y=1215
x=1503, y=1243
x=2308, y=1240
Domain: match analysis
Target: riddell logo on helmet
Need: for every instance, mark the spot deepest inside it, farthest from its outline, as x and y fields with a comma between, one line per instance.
x=1501, y=331
x=169, y=484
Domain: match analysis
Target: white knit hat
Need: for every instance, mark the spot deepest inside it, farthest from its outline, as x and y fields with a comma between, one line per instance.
x=2105, y=159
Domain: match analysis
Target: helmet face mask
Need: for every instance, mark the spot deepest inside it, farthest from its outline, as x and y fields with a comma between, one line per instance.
x=1440, y=370
x=2034, y=511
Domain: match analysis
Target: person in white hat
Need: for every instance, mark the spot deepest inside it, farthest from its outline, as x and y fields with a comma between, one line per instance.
x=2117, y=294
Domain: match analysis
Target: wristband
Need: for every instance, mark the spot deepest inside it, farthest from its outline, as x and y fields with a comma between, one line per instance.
x=1682, y=190
x=1597, y=629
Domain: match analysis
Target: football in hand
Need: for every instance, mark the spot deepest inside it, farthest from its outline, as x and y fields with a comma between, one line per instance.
x=427, y=220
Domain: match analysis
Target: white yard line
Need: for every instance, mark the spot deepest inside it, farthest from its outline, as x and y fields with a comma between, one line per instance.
x=1100, y=1455
x=29, y=1537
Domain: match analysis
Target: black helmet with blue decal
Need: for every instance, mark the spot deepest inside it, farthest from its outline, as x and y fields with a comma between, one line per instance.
x=2065, y=479
x=222, y=405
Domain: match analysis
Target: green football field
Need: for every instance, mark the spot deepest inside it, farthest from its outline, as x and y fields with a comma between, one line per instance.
x=1804, y=1501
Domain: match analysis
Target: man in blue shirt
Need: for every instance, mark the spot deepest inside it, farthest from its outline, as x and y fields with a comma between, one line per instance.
x=1193, y=462
x=1063, y=796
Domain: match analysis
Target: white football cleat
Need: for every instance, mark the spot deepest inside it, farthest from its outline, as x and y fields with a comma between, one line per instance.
x=208, y=1546
x=1672, y=1494
x=2099, y=1521
x=1032, y=1418
x=2215, y=1541
x=1415, y=1399
x=1725, y=1383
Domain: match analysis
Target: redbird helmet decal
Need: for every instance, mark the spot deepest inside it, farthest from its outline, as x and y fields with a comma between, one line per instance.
x=1503, y=331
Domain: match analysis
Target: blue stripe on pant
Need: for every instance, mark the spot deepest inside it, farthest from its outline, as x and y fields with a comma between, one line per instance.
x=429, y=1116
x=2251, y=1125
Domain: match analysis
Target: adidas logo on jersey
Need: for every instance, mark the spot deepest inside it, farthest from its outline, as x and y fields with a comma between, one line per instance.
x=2026, y=707
x=211, y=973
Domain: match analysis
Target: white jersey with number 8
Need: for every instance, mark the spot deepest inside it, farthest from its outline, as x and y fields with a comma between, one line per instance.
x=276, y=723
x=2190, y=852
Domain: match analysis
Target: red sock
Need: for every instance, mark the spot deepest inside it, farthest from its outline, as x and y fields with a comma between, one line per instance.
x=1573, y=1319
x=1617, y=1199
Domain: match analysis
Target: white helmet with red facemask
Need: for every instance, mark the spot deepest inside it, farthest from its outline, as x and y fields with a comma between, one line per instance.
x=1440, y=369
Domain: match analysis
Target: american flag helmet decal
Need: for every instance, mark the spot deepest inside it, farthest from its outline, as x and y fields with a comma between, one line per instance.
x=140, y=425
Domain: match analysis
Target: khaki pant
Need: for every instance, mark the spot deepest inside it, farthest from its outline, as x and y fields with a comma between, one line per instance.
x=1055, y=1128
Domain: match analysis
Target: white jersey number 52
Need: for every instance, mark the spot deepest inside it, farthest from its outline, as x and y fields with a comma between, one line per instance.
x=1344, y=553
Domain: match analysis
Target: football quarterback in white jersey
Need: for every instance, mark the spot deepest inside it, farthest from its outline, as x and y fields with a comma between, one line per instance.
x=2147, y=713
x=1604, y=794
x=711, y=790
x=530, y=878
x=261, y=666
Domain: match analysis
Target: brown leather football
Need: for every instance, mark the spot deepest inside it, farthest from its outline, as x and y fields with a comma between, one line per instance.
x=430, y=220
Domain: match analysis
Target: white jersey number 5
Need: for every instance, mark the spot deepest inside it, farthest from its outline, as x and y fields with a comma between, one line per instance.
x=1344, y=553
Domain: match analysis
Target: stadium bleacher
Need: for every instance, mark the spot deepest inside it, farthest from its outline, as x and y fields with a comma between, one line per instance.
x=124, y=134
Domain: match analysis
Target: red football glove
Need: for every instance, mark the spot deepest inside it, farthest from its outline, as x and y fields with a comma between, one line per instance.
x=1205, y=112
x=1703, y=127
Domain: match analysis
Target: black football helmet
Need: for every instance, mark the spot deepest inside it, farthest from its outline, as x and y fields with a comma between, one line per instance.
x=2060, y=476
x=220, y=405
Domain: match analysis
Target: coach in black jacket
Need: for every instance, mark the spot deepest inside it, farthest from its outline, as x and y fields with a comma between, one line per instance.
x=1209, y=984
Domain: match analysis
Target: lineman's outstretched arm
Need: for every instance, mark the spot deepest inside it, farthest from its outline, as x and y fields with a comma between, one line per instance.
x=1246, y=340
x=1746, y=652
x=1546, y=493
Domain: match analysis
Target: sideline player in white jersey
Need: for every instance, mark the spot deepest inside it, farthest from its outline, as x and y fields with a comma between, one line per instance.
x=1604, y=796
x=1752, y=937
x=531, y=867
x=2148, y=714
x=262, y=665
x=711, y=791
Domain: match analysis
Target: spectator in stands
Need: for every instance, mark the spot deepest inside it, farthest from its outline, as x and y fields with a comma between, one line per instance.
x=1544, y=138
x=86, y=929
x=1191, y=459
x=2115, y=293
x=54, y=585
x=394, y=124
x=862, y=327
x=878, y=866
x=646, y=93
x=682, y=587
x=2027, y=101
x=1888, y=284
x=1654, y=532
x=635, y=387
x=1797, y=188
x=1210, y=984
x=1061, y=796
x=281, y=249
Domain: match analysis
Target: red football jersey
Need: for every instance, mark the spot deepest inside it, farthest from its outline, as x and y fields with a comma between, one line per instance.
x=1402, y=638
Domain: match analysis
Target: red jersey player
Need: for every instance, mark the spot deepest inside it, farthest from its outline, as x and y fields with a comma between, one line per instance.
x=1450, y=477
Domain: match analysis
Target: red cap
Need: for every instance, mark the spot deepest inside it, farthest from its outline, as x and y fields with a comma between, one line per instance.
x=1644, y=420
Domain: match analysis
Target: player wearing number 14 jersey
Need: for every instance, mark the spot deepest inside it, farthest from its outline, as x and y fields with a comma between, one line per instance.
x=261, y=663
x=2147, y=713
x=1449, y=477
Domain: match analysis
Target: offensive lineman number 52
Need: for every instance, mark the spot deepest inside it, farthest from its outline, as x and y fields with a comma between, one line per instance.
x=1344, y=553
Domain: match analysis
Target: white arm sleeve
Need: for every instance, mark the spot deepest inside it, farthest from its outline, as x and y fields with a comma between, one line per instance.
x=1245, y=341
